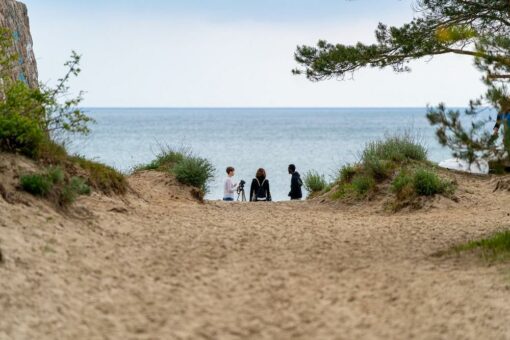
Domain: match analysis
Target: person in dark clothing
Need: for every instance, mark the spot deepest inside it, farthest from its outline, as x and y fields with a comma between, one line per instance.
x=295, y=184
x=503, y=117
x=259, y=190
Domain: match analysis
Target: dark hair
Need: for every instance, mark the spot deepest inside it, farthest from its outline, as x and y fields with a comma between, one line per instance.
x=292, y=168
x=230, y=169
x=261, y=173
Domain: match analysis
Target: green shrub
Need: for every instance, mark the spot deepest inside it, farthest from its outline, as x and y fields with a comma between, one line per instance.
x=80, y=186
x=347, y=172
x=187, y=168
x=102, y=177
x=363, y=184
x=37, y=184
x=194, y=171
x=165, y=160
x=313, y=182
x=396, y=148
x=55, y=175
x=427, y=183
x=70, y=192
x=403, y=186
x=378, y=169
x=20, y=134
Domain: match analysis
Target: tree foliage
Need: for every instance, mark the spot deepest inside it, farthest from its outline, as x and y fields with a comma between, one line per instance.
x=479, y=29
x=54, y=108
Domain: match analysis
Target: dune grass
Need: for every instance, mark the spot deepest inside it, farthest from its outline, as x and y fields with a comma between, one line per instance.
x=421, y=182
x=53, y=184
x=187, y=168
x=492, y=249
x=400, y=160
x=314, y=183
x=102, y=177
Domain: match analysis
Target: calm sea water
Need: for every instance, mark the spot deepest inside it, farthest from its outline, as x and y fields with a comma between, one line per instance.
x=319, y=139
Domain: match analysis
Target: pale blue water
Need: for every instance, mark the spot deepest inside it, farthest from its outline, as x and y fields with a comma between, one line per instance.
x=320, y=139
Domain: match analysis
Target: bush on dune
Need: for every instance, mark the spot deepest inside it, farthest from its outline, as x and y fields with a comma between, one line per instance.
x=187, y=168
x=165, y=160
x=314, y=183
x=20, y=134
x=420, y=182
x=52, y=183
x=397, y=148
x=194, y=171
x=402, y=158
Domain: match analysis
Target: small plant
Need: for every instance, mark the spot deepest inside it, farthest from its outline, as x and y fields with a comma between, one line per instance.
x=165, y=160
x=363, y=185
x=378, y=169
x=55, y=175
x=72, y=190
x=194, y=171
x=313, y=182
x=80, y=186
x=36, y=184
x=347, y=172
x=427, y=183
x=403, y=186
x=187, y=168
x=42, y=184
x=360, y=187
x=52, y=184
x=398, y=148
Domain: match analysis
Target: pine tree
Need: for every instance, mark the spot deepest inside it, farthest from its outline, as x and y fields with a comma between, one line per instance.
x=479, y=29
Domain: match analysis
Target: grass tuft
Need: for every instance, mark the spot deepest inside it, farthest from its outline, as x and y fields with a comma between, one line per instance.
x=184, y=165
x=396, y=149
x=165, y=160
x=314, y=182
x=102, y=177
x=428, y=183
x=347, y=172
x=36, y=184
x=194, y=171
x=52, y=184
x=493, y=248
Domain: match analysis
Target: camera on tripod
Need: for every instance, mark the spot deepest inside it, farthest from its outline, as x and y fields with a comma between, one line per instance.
x=240, y=191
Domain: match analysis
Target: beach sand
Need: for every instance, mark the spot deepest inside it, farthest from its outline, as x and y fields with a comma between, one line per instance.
x=156, y=264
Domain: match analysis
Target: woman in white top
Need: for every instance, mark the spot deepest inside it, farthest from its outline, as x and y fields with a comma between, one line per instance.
x=230, y=187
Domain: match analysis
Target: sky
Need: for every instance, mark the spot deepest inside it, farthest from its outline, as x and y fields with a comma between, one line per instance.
x=231, y=53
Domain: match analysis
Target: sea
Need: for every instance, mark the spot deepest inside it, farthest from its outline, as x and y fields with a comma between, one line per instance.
x=319, y=139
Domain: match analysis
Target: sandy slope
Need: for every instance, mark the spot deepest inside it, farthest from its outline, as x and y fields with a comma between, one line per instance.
x=158, y=265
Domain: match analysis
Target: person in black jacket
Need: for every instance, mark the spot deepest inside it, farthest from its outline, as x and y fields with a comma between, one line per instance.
x=259, y=190
x=295, y=184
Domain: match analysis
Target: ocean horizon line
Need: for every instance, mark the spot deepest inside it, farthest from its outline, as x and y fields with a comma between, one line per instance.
x=262, y=107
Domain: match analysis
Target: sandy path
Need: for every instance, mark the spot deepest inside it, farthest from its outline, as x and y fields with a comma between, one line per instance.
x=174, y=269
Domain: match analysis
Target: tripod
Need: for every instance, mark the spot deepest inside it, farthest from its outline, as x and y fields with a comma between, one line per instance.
x=241, y=194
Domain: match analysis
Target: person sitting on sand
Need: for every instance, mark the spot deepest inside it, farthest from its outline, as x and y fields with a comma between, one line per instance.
x=259, y=190
x=230, y=186
x=295, y=184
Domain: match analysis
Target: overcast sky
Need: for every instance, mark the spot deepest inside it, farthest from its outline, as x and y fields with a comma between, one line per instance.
x=231, y=53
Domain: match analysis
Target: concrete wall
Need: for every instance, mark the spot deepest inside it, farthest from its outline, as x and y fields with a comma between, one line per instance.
x=14, y=16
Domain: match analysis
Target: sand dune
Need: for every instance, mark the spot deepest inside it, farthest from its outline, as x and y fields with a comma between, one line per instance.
x=159, y=265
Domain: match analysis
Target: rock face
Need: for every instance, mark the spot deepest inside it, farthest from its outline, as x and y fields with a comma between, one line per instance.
x=14, y=16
